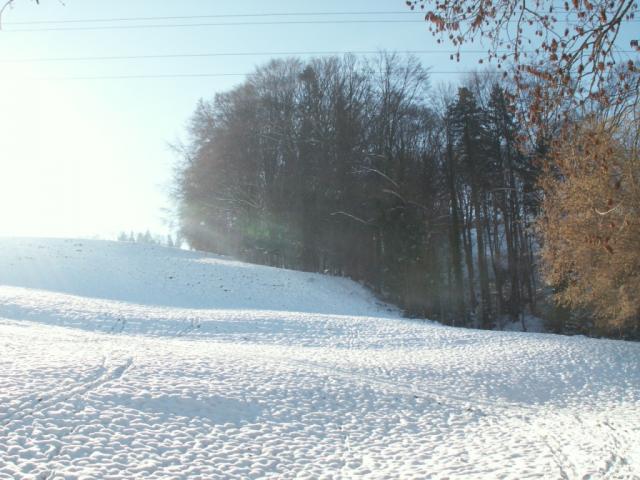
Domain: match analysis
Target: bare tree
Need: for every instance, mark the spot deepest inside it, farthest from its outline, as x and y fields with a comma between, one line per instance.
x=6, y=5
x=572, y=47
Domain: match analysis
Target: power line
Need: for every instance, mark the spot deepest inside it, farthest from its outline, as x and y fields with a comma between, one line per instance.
x=224, y=74
x=558, y=10
x=246, y=54
x=245, y=74
x=231, y=54
x=228, y=24
x=217, y=24
x=225, y=15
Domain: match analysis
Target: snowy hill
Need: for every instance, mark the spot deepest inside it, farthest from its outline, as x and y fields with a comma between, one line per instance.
x=130, y=361
x=154, y=275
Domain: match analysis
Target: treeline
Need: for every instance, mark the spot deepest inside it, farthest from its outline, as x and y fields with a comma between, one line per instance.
x=356, y=167
x=151, y=239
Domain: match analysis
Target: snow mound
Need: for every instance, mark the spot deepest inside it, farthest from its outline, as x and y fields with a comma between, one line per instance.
x=129, y=361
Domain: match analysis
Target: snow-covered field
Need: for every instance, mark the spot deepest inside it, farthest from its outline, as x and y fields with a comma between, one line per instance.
x=122, y=361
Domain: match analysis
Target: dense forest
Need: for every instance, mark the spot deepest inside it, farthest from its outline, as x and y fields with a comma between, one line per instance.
x=354, y=167
x=360, y=167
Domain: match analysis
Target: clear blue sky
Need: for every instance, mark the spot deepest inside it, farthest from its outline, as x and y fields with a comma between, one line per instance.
x=90, y=157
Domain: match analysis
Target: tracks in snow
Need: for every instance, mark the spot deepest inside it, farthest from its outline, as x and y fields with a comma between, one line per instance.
x=615, y=466
x=103, y=374
x=479, y=406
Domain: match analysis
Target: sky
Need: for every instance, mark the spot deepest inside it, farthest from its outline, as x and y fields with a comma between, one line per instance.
x=82, y=156
x=90, y=157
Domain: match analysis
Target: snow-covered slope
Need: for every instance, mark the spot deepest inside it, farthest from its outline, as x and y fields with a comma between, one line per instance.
x=159, y=276
x=130, y=361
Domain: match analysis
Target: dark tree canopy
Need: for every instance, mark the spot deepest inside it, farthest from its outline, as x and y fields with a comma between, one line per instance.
x=345, y=166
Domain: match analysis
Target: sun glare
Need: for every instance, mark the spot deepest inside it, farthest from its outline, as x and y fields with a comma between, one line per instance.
x=55, y=162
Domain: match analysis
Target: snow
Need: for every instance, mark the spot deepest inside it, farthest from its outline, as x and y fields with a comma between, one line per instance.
x=129, y=361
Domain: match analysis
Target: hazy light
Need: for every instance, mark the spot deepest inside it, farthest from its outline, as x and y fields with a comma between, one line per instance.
x=61, y=162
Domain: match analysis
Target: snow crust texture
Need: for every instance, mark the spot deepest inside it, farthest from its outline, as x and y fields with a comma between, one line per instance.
x=121, y=361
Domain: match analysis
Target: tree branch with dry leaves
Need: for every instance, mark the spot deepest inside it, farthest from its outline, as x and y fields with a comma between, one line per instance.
x=573, y=48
